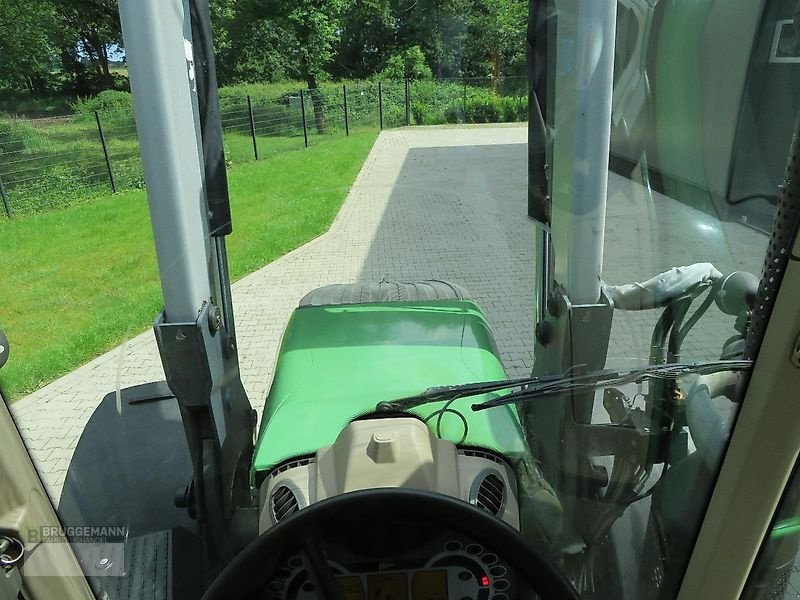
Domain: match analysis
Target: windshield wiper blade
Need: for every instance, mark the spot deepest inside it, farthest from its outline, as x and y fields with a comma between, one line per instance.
x=542, y=385
x=610, y=377
x=444, y=393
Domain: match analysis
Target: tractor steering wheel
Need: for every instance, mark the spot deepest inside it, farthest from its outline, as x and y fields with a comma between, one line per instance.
x=249, y=573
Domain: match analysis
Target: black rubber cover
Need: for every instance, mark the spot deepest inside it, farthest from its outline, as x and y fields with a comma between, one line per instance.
x=383, y=291
x=248, y=573
x=129, y=462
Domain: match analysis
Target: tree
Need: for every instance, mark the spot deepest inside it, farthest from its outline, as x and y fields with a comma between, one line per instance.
x=248, y=49
x=91, y=27
x=314, y=26
x=269, y=40
x=27, y=53
x=496, y=40
x=366, y=38
x=409, y=64
x=38, y=36
x=438, y=27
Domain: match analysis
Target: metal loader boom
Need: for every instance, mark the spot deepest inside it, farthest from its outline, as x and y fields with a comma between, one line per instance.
x=172, y=77
x=569, y=204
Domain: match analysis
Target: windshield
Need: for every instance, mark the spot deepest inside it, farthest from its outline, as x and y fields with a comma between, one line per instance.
x=577, y=195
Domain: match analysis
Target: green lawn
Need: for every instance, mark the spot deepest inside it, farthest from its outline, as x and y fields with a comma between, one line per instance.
x=78, y=281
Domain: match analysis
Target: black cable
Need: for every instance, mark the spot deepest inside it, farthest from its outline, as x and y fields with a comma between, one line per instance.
x=439, y=414
x=673, y=346
x=216, y=178
x=684, y=331
x=659, y=337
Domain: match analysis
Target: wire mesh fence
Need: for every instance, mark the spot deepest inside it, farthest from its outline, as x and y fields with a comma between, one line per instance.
x=55, y=162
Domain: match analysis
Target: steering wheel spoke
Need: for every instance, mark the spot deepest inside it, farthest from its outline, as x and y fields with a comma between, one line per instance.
x=319, y=571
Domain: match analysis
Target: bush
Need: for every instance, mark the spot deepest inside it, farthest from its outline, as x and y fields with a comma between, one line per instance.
x=129, y=174
x=57, y=186
x=454, y=113
x=276, y=106
x=483, y=107
x=394, y=115
x=514, y=108
x=409, y=64
x=115, y=108
x=17, y=135
x=272, y=116
x=106, y=101
x=429, y=100
x=362, y=103
x=234, y=97
x=425, y=114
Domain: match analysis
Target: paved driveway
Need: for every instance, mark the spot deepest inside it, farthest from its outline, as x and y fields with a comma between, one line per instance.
x=429, y=203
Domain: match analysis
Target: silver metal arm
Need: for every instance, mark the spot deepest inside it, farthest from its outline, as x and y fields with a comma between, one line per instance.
x=573, y=311
x=198, y=353
x=583, y=89
x=161, y=69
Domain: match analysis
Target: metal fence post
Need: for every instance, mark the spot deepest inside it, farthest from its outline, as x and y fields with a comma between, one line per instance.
x=303, y=113
x=408, y=102
x=4, y=197
x=346, y=120
x=252, y=126
x=105, y=153
x=380, y=103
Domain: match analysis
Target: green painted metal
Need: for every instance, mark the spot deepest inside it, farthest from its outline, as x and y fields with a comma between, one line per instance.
x=339, y=362
x=786, y=527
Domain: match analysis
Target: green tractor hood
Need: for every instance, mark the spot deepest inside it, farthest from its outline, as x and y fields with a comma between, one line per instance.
x=338, y=362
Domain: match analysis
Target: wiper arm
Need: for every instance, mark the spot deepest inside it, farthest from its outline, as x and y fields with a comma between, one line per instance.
x=534, y=387
x=609, y=377
x=446, y=393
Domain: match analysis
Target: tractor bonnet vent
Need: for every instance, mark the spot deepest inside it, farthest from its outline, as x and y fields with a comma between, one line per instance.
x=292, y=464
x=284, y=503
x=490, y=493
x=481, y=454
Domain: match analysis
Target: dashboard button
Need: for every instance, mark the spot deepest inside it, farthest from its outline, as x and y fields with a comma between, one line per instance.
x=474, y=549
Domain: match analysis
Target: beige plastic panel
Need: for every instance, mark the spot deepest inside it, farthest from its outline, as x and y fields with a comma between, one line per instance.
x=23, y=505
x=386, y=453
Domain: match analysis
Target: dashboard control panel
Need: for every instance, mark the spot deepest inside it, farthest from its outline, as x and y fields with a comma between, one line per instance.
x=439, y=569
